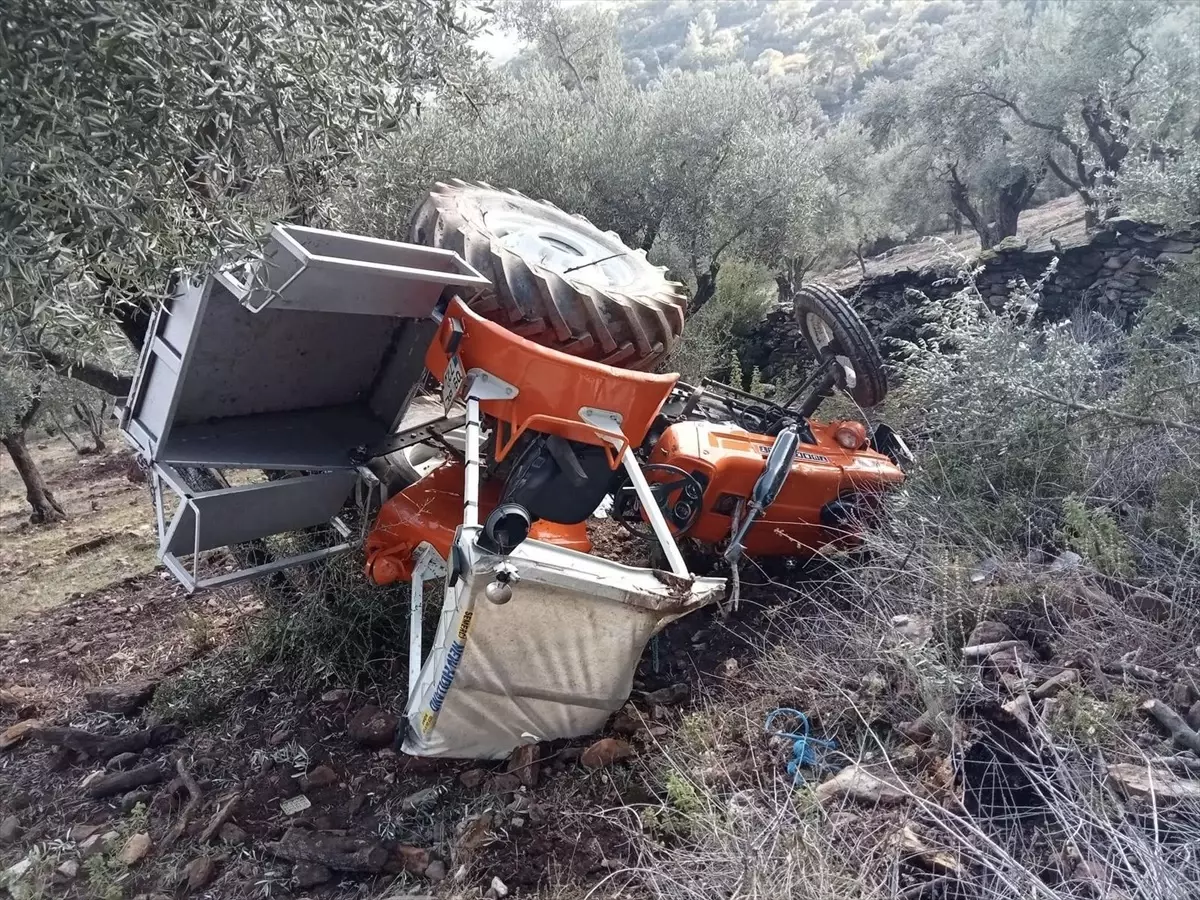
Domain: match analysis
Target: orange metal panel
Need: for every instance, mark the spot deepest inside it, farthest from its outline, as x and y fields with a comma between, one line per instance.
x=431, y=510
x=732, y=459
x=552, y=385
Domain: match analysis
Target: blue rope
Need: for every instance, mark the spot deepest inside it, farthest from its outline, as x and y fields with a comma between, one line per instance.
x=807, y=750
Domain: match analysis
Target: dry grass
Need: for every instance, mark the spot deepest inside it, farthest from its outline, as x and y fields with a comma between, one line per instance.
x=730, y=823
x=36, y=570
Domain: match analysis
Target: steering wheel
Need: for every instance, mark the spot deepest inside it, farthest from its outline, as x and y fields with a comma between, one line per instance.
x=679, y=499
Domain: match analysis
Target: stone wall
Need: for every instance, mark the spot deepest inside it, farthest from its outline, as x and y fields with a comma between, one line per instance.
x=1112, y=272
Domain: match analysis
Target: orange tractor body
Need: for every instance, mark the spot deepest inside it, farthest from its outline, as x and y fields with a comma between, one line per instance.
x=430, y=511
x=803, y=518
x=550, y=387
x=707, y=470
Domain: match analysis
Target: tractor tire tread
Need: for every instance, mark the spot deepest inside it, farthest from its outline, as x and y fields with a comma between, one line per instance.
x=636, y=326
x=850, y=333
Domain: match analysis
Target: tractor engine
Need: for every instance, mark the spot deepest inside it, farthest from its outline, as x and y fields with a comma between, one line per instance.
x=835, y=478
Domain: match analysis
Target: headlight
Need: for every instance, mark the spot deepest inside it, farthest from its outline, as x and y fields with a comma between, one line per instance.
x=851, y=435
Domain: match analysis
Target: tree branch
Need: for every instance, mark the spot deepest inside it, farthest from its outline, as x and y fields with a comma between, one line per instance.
x=1110, y=145
x=1025, y=120
x=961, y=200
x=88, y=373
x=750, y=220
x=1116, y=414
x=566, y=59
x=1173, y=723
x=30, y=414
x=1062, y=175
x=1058, y=131
x=1129, y=79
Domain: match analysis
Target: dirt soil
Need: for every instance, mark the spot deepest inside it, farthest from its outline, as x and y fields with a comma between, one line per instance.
x=1059, y=220
x=108, y=537
x=270, y=743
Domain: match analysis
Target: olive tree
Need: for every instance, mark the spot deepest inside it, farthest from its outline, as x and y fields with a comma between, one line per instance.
x=20, y=403
x=959, y=140
x=143, y=137
x=1096, y=88
x=693, y=171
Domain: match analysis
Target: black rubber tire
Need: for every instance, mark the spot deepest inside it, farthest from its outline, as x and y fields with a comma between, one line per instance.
x=850, y=338
x=626, y=313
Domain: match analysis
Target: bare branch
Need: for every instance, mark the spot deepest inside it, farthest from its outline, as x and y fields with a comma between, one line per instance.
x=1129, y=79
x=1062, y=175
x=1116, y=414
x=1011, y=104
x=1058, y=131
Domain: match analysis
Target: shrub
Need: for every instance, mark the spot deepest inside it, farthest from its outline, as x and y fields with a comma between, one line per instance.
x=1069, y=434
x=1094, y=535
x=713, y=337
x=339, y=626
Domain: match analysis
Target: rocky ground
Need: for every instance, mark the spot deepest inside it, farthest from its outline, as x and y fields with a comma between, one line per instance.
x=118, y=780
x=1029, y=730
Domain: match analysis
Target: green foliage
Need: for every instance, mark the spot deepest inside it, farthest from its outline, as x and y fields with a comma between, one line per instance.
x=996, y=452
x=340, y=627
x=1017, y=422
x=713, y=337
x=107, y=877
x=677, y=817
x=696, y=730
x=141, y=137
x=737, y=376
x=1092, y=722
x=18, y=387
x=682, y=794
x=1095, y=535
x=1166, y=191
x=836, y=47
x=1175, y=513
x=756, y=386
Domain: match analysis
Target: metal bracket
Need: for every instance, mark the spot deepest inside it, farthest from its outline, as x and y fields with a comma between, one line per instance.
x=409, y=437
x=427, y=564
x=604, y=419
x=483, y=385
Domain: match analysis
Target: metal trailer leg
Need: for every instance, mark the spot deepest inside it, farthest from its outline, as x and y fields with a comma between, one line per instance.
x=416, y=617
x=654, y=514
x=428, y=565
x=471, y=487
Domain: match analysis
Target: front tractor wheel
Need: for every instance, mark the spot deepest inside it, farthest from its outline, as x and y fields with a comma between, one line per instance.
x=829, y=323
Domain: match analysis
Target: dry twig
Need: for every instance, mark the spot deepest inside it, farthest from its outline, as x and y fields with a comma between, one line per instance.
x=195, y=796
x=220, y=817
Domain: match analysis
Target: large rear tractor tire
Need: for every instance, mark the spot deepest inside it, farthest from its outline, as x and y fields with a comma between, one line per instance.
x=556, y=278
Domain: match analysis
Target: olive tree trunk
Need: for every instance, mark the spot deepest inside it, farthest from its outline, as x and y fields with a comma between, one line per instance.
x=1006, y=206
x=45, y=508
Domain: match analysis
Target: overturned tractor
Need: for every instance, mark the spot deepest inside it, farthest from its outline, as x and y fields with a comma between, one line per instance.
x=473, y=398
